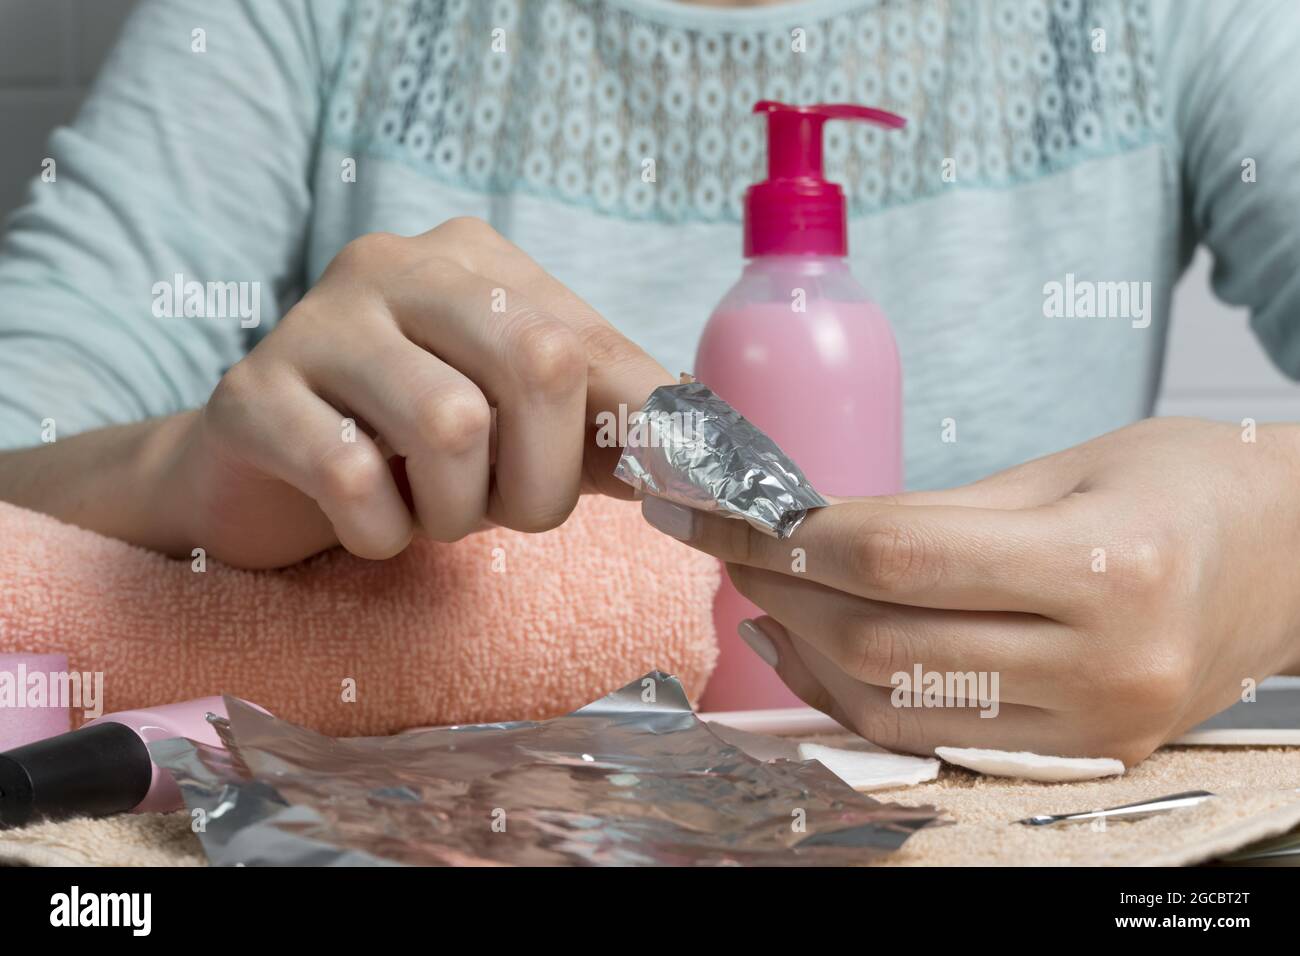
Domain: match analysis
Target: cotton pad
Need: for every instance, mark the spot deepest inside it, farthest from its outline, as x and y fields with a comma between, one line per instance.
x=870, y=770
x=1006, y=763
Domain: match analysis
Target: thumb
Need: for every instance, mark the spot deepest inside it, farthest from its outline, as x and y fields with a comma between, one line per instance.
x=620, y=377
x=598, y=464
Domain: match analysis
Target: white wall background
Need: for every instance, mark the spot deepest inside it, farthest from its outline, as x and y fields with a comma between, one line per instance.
x=50, y=50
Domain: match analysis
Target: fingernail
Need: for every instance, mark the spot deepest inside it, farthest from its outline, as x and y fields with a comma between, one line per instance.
x=671, y=519
x=758, y=642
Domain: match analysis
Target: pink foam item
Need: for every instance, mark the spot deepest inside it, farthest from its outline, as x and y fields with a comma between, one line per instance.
x=434, y=636
x=21, y=724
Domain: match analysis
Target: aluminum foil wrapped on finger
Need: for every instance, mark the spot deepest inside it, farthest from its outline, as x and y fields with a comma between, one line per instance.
x=692, y=448
x=634, y=778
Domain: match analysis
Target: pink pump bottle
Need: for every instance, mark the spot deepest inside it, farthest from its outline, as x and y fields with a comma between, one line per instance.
x=799, y=348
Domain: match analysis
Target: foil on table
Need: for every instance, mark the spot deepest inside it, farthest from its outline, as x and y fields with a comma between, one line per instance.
x=634, y=778
x=694, y=449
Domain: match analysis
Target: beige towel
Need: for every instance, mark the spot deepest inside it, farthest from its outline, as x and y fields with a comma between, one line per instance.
x=1255, y=801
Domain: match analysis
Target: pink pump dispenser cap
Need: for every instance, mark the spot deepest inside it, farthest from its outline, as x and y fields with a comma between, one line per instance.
x=796, y=210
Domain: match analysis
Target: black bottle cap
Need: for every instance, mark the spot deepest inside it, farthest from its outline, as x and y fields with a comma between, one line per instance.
x=92, y=772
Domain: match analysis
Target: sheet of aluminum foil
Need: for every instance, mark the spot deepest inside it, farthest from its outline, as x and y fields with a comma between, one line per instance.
x=634, y=778
x=692, y=448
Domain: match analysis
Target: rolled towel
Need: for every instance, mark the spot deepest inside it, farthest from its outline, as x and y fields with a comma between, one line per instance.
x=499, y=626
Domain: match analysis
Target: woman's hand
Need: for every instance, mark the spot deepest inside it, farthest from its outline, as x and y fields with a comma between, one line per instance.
x=1121, y=591
x=452, y=350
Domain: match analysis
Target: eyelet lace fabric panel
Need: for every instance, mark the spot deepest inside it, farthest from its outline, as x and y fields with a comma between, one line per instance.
x=637, y=113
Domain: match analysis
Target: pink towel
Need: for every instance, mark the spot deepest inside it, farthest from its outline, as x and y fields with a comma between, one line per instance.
x=499, y=626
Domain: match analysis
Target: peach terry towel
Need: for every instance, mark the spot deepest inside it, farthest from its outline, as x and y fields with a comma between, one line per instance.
x=499, y=626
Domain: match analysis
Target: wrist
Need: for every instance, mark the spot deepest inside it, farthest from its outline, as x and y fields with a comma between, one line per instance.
x=114, y=481
x=166, y=493
x=1285, y=439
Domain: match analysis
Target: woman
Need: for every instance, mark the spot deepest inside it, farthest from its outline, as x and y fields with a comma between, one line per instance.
x=599, y=149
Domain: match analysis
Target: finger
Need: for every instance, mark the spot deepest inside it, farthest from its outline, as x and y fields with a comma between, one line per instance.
x=974, y=559
x=598, y=464
x=619, y=371
x=620, y=377
x=897, y=719
x=1023, y=655
x=1028, y=485
x=431, y=415
x=620, y=374
x=301, y=440
x=770, y=641
x=532, y=369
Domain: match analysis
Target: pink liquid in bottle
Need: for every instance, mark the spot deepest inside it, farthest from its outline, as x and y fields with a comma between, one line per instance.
x=801, y=350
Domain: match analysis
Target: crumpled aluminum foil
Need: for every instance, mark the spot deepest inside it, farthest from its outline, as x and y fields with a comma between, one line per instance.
x=696, y=450
x=634, y=778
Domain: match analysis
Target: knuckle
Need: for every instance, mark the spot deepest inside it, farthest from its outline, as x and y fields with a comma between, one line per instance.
x=1168, y=679
x=469, y=230
x=351, y=473
x=475, y=246
x=874, y=649
x=368, y=252
x=735, y=542
x=887, y=557
x=455, y=421
x=467, y=226
x=1146, y=569
x=606, y=345
x=1152, y=684
x=1127, y=692
x=235, y=394
x=545, y=355
x=235, y=385
x=306, y=317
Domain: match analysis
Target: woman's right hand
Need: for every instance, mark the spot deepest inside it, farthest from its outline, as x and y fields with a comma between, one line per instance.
x=453, y=350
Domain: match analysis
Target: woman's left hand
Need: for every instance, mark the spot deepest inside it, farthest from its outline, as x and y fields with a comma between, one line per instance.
x=1111, y=595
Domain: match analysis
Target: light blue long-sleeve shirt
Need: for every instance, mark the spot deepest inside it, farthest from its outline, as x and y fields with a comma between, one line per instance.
x=1062, y=157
